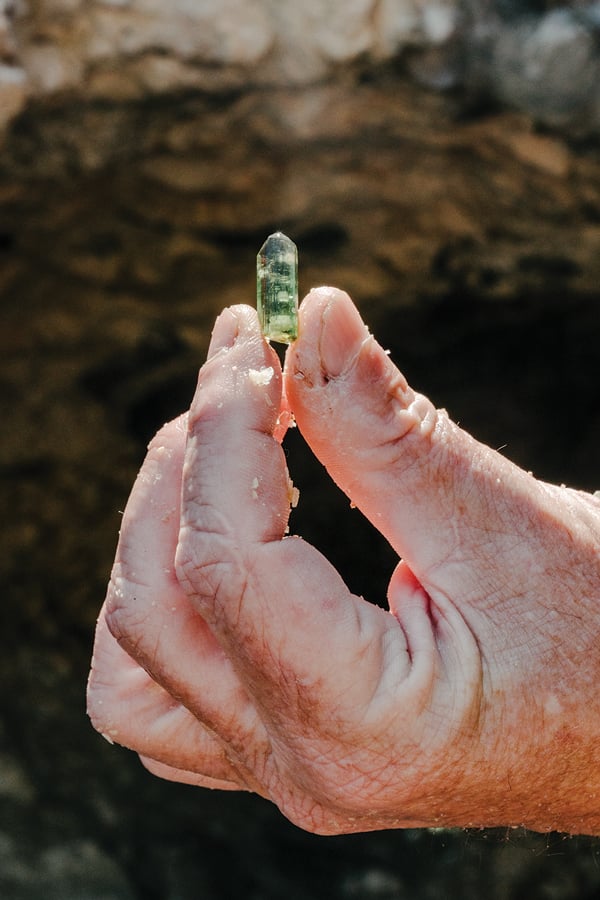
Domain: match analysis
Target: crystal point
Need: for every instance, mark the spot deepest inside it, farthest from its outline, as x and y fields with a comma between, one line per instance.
x=277, y=288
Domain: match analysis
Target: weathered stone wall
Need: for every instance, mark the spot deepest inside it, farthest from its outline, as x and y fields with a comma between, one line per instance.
x=539, y=56
x=439, y=160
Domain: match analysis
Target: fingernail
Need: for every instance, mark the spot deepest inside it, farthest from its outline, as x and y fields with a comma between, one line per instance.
x=224, y=333
x=342, y=335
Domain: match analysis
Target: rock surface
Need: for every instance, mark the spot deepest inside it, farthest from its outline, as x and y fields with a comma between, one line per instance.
x=537, y=56
x=439, y=160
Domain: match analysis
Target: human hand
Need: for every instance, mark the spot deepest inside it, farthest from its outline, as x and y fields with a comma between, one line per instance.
x=229, y=655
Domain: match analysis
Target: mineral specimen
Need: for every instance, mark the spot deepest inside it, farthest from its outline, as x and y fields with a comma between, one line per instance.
x=277, y=288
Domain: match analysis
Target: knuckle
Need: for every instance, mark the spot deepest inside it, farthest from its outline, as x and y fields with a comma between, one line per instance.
x=124, y=606
x=401, y=426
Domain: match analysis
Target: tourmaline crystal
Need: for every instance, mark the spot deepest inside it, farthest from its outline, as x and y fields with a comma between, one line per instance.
x=277, y=288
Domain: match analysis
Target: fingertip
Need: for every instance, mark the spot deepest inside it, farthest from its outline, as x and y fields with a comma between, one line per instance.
x=172, y=434
x=247, y=356
x=343, y=333
x=331, y=333
x=318, y=298
x=224, y=333
x=232, y=323
x=239, y=356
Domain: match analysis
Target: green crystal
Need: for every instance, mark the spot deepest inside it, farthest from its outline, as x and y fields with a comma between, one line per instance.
x=277, y=288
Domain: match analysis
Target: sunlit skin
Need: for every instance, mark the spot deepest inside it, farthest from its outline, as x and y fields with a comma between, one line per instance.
x=233, y=656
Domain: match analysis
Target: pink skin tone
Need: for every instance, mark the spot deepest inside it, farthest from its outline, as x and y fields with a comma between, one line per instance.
x=232, y=656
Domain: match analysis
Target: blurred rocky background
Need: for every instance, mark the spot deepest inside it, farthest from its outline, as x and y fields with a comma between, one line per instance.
x=440, y=160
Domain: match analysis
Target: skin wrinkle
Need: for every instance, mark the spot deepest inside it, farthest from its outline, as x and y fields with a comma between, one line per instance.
x=477, y=643
x=300, y=702
x=259, y=645
x=397, y=399
x=273, y=528
x=417, y=677
x=302, y=811
x=122, y=726
x=142, y=652
x=355, y=729
x=331, y=404
x=204, y=587
x=353, y=487
x=219, y=528
x=444, y=612
x=361, y=784
x=354, y=720
x=351, y=361
x=581, y=526
x=120, y=622
x=121, y=579
x=195, y=762
x=323, y=794
x=420, y=682
x=392, y=449
x=162, y=770
x=503, y=530
x=314, y=780
x=239, y=743
x=303, y=717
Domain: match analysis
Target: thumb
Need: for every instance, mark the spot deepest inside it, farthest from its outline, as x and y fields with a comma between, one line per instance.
x=426, y=484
